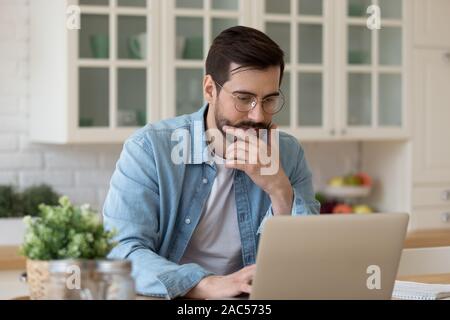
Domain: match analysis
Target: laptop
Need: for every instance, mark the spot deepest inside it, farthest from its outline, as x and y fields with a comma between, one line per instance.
x=329, y=256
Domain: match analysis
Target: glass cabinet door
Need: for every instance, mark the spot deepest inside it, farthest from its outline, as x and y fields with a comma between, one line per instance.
x=132, y=47
x=298, y=26
x=374, y=66
x=94, y=80
x=93, y=97
x=114, y=59
x=131, y=97
x=197, y=23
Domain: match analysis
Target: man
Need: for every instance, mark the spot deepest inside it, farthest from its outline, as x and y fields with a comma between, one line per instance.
x=187, y=203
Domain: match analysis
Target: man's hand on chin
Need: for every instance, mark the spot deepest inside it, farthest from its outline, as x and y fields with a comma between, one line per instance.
x=261, y=162
x=232, y=285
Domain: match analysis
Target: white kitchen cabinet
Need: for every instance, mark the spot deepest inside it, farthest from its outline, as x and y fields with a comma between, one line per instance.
x=430, y=217
x=123, y=68
x=98, y=84
x=432, y=116
x=372, y=70
x=432, y=23
x=304, y=30
x=344, y=81
x=431, y=160
x=433, y=195
x=190, y=26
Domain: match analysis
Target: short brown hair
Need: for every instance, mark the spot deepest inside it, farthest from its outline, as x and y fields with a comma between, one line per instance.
x=245, y=46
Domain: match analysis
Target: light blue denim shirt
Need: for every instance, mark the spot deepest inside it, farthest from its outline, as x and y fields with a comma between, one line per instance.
x=155, y=203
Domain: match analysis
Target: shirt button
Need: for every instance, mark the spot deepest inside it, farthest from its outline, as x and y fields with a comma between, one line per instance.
x=187, y=221
x=205, y=181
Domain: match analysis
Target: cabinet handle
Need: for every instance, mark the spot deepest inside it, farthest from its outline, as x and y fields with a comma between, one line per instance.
x=447, y=55
x=332, y=132
x=445, y=217
x=445, y=195
x=344, y=131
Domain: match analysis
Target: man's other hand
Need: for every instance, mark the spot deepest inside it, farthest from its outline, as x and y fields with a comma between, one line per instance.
x=228, y=286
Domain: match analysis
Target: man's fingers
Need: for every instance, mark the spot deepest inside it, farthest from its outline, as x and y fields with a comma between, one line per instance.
x=241, y=134
x=242, y=147
x=249, y=267
x=244, y=277
x=237, y=151
x=236, y=132
x=246, y=288
x=248, y=273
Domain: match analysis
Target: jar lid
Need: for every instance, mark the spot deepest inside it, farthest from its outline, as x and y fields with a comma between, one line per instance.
x=62, y=266
x=113, y=266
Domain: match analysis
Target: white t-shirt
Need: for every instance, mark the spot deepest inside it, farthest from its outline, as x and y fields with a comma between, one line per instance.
x=216, y=244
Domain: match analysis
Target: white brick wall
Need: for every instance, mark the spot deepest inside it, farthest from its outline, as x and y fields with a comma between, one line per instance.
x=81, y=172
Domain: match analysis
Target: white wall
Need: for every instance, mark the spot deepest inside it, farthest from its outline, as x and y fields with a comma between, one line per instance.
x=329, y=159
x=82, y=172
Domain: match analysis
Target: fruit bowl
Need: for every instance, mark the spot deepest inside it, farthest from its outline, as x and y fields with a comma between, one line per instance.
x=345, y=192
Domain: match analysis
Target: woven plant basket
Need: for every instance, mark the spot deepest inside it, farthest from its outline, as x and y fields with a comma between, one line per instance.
x=37, y=278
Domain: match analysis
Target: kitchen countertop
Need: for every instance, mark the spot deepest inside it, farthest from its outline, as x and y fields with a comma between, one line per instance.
x=443, y=278
x=12, y=288
x=10, y=259
x=428, y=238
x=12, y=265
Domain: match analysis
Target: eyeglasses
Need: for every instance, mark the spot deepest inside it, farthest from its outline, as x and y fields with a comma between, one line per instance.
x=244, y=102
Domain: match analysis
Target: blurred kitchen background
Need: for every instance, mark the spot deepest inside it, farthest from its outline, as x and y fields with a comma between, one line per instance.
x=371, y=107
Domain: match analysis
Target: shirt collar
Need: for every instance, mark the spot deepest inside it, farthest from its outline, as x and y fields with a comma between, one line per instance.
x=199, y=151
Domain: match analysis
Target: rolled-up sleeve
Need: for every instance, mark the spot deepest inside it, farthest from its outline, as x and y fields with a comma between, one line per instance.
x=132, y=208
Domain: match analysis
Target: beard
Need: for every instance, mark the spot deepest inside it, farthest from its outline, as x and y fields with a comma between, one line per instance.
x=221, y=121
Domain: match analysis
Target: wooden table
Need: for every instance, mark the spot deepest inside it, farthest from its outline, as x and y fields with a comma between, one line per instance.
x=443, y=278
x=11, y=264
x=428, y=238
x=10, y=259
x=431, y=278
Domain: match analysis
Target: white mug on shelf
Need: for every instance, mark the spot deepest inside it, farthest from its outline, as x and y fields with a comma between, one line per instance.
x=126, y=118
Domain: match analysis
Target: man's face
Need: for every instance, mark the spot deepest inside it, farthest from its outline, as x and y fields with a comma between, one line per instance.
x=260, y=83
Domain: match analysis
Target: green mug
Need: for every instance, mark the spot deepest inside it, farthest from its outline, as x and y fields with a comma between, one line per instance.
x=358, y=57
x=141, y=116
x=356, y=10
x=99, y=46
x=193, y=48
x=86, y=122
x=137, y=46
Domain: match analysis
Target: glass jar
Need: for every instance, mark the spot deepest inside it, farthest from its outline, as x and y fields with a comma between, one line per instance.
x=113, y=280
x=70, y=280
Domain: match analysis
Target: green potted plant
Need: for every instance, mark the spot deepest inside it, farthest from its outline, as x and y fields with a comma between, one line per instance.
x=33, y=196
x=9, y=202
x=11, y=225
x=15, y=204
x=62, y=231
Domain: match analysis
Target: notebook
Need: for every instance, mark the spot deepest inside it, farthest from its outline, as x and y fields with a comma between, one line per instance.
x=420, y=291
